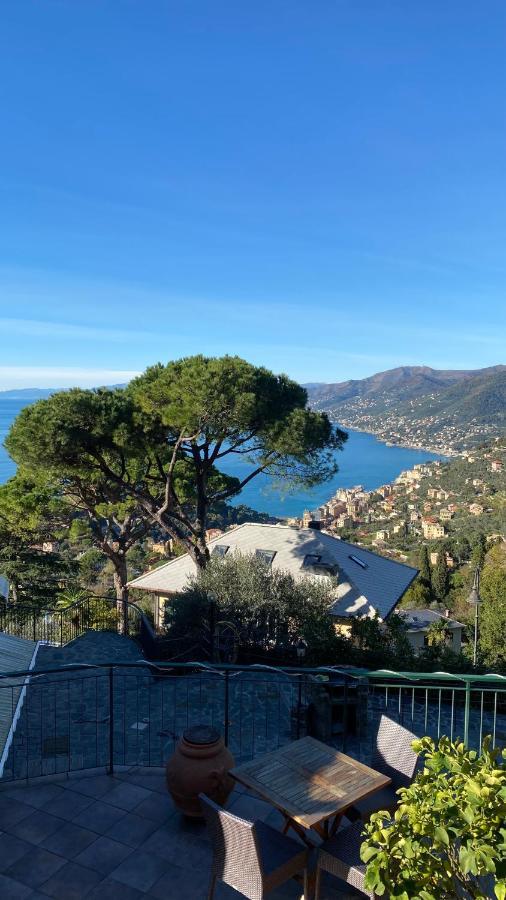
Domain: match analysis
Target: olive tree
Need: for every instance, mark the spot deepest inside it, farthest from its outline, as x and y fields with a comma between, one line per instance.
x=262, y=610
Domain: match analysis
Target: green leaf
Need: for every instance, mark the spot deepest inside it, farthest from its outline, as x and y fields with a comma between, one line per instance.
x=441, y=835
x=367, y=853
x=468, y=814
x=500, y=890
x=467, y=861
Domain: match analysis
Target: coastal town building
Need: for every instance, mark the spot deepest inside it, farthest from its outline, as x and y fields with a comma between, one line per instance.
x=399, y=528
x=434, y=556
x=163, y=548
x=213, y=533
x=50, y=546
x=343, y=521
x=432, y=529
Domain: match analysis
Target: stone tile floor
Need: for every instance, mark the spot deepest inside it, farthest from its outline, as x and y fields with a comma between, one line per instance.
x=114, y=838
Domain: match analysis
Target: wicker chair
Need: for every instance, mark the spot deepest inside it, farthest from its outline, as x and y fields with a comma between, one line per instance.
x=392, y=756
x=341, y=857
x=251, y=857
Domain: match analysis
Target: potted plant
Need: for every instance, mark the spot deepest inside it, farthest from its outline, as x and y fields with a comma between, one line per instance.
x=447, y=839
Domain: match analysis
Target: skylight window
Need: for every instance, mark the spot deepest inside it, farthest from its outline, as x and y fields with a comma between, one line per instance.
x=310, y=559
x=359, y=562
x=220, y=550
x=266, y=556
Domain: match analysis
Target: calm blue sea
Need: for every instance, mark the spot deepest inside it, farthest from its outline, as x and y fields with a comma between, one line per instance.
x=365, y=460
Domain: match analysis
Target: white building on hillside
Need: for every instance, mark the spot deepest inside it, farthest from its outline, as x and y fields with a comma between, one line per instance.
x=418, y=622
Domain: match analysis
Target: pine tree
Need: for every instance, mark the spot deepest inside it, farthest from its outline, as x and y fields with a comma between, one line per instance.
x=424, y=565
x=479, y=552
x=440, y=576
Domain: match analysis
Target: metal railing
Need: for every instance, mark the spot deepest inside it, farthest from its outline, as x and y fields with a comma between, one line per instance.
x=467, y=706
x=61, y=624
x=81, y=717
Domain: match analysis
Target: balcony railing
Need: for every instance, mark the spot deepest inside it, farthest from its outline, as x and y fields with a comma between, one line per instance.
x=82, y=717
x=60, y=625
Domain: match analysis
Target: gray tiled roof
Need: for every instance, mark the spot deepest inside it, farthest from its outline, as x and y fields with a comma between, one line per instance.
x=16, y=655
x=420, y=619
x=375, y=586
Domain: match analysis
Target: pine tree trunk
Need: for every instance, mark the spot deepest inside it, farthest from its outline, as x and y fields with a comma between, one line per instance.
x=120, y=586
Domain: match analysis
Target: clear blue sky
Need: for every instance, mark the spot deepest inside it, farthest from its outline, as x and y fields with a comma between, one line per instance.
x=316, y=186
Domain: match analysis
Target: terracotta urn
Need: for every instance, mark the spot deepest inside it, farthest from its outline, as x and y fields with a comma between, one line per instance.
x=199, y=764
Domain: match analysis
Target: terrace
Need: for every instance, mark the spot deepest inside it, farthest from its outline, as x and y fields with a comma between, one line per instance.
x=103, y=837
x=84, y=810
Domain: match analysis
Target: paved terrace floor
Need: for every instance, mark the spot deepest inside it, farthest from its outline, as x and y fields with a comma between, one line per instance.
x=115, y=838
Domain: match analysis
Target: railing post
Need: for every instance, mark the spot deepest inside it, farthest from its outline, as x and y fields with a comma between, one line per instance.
x=299, y=706
x=467, y=710
x=345, y=712
x=61, y=628
x=227, y=704
x=110, y=769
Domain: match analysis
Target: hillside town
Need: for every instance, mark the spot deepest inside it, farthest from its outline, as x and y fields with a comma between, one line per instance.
x=433, y=502
x=432, y=432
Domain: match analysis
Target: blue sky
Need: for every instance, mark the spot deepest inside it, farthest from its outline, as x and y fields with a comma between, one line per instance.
x=317, y=186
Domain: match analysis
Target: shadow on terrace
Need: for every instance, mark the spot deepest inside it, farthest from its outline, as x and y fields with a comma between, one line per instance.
x=84, y=811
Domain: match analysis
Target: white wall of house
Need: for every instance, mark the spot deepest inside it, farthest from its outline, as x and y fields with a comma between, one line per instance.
x=417, y=639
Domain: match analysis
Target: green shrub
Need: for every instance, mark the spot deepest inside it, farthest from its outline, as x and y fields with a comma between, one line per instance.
x=265, y=609
x=448, y=836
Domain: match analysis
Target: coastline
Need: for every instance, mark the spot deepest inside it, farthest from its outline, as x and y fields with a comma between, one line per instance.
x=447, y=453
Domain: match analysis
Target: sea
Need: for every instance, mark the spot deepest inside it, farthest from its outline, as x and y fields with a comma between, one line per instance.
x=364, y=460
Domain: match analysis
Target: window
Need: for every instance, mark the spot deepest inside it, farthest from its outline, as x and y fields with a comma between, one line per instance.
x=316, y=566
x=266, y=556
x=219, y=550
x=310, y=559
x=359, y=562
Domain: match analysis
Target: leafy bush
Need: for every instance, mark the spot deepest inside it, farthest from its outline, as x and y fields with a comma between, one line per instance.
x=448, y=836
x=266, y=610
x=382, y=644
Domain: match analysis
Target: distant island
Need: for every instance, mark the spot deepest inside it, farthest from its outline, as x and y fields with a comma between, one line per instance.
x=444, y=411
x=33, y=393
x=28, y=393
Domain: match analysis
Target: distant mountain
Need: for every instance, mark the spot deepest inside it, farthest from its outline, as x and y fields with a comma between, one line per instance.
x=481, y=398
x=403, y=383
x=440, y=410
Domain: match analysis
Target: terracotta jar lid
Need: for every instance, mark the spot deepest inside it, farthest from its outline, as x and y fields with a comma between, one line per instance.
x=201, y=734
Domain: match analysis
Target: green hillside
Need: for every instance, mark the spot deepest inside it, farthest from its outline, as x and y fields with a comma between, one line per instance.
x=478, y=399
x=415, y=406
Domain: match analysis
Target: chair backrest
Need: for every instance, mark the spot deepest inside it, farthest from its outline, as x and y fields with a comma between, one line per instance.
x=236, y=858
x=393, y=754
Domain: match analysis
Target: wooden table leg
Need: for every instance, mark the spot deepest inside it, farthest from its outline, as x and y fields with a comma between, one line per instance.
x=302, y=832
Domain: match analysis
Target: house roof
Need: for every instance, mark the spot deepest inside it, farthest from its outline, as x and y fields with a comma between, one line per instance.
x=420, y=619
x=366, y=582
x=16, y=655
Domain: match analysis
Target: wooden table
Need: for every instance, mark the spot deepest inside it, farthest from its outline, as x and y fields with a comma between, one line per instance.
x=311, y=784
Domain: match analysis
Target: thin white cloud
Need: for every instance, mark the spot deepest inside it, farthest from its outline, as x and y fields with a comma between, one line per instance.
x=18, y=377
x=39, y=328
